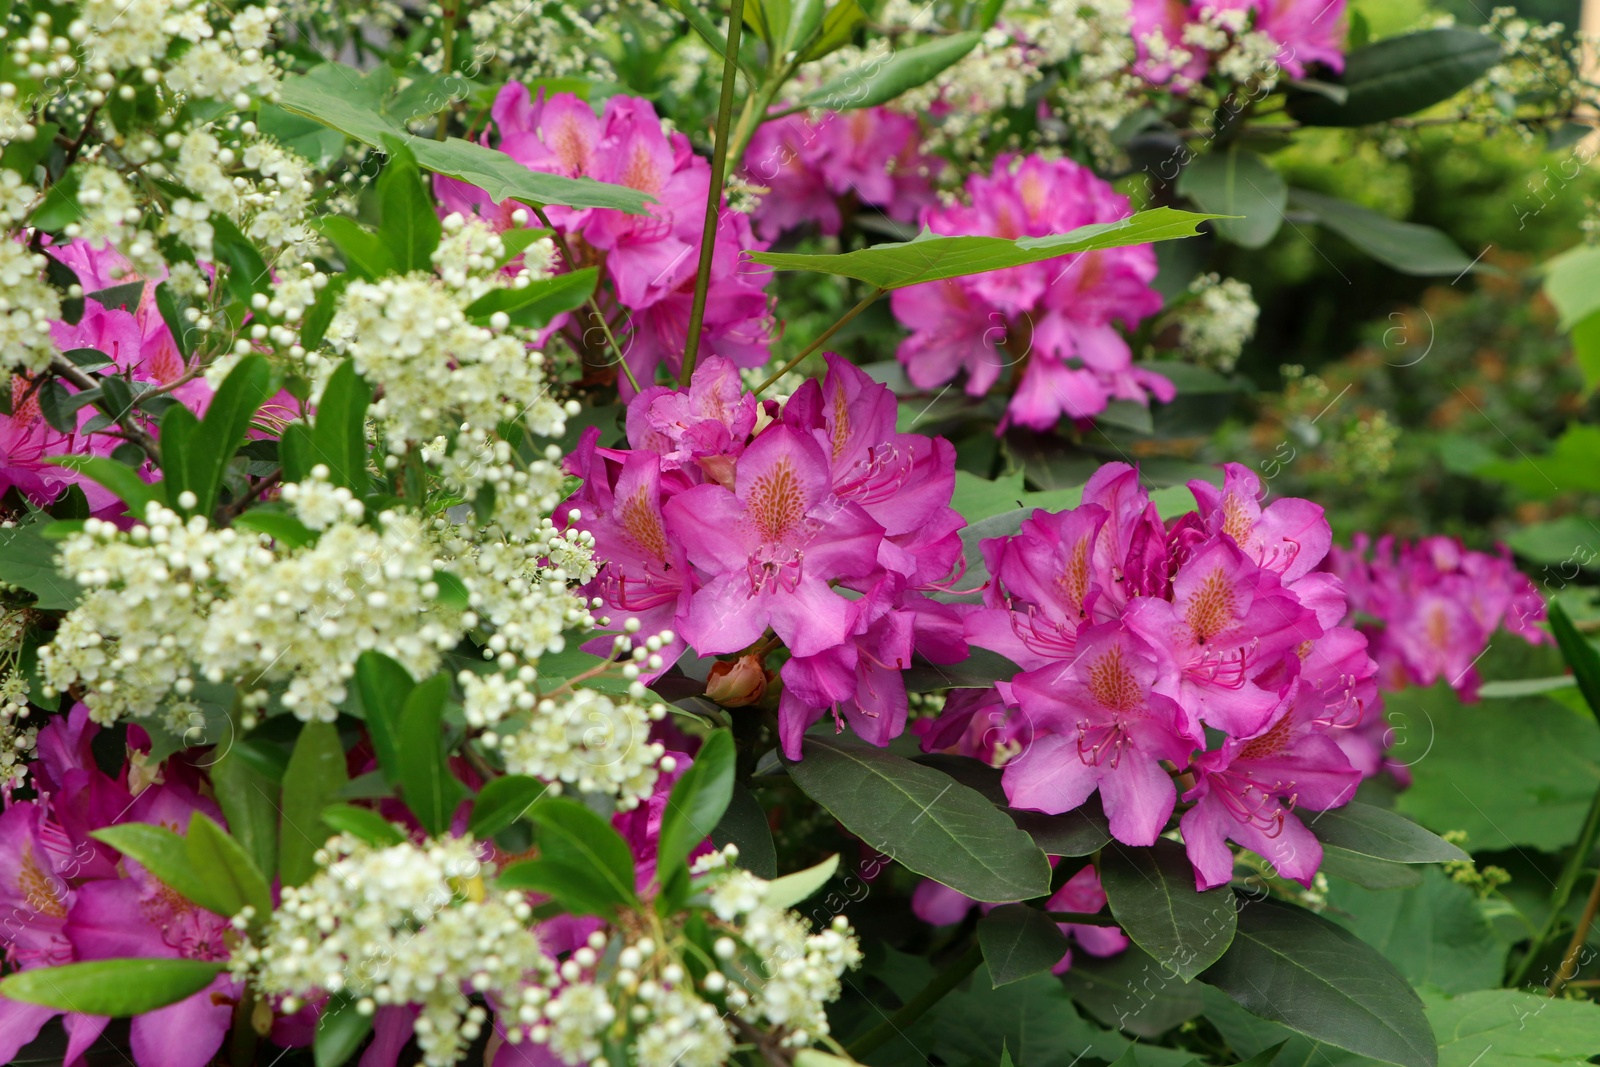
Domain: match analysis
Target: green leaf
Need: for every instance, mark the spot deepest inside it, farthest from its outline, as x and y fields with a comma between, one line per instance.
x=882, y=78
x=583, y=862
x=1236, y=181
x=1381, y=834
x=112, y=987
x=340, y=1031
x=1512, y=1028
x=249, y=801
x=538, y=303
x=426, y=784
x=1290, y=966
x=453, y=592
x=924, y=819
x=791, y=889
x=839, y=27
x=281, y=526
x=1019, y=942
x=1580, y=655
x=980, y=498
x=339, y=434
x=1151, y=892
x=1572, y=282
x=121, y=479
x=1402, y=246
x=1435, y=933
x=28, y=561
x=161, y=852
x=502, y=801
x=1567, y=468
x=303, y=136
x=230, y=877
x=364, y=823
x=1368, y=872
x=384, y=687
x=323, y=94
x=1131, y=992
x=745, y=825
x=247, y=271
x=931, y=257
x=694, y=808
x=365, y=253
x=170, y=305
x=199, y=452
x=1401, y=75
x=411, y=228
x=314, y=777
x=1511, y=773
x=295, y=450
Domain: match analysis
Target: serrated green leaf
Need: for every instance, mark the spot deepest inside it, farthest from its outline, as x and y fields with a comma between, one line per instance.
x=315, y=774
x=540, y=302
x=364, y=823
x=338, y=436
x=694, y=807
x=410, y=230
x=426, y=784
x=385, y=687
x=583, y=862
x=365, y=253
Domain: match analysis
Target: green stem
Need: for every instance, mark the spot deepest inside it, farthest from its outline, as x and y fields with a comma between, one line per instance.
x=447, y=46
x=822, y=339
x=1563, y=890
x=943, y=982
x=719, y=174
x=594, y=307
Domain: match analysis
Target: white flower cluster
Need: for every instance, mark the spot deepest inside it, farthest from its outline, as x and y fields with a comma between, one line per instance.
x=768, y=970
x=27, y=305
x=233, y=65
x=16, y=738
x=542, y=38
x=406, y=924
x=1214, y=326
x=174, y=598
x=587, y=739
x=412, y=335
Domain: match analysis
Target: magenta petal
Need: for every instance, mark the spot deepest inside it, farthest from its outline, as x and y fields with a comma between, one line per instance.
x=19, y=1024
x=1138, y=796
x=185, y=1034
x=939, y=905
x=391, y=1030
x=1205, y=838
x=1050, y=776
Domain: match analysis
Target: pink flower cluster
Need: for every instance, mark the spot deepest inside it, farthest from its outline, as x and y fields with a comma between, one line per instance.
x=1207, y=654
x=1307, y=32
x=648, y=262
x=819, y=170
x=132, y=336
x=1050, y=324
x=1429, y=608
x=815, y=518
x=69, y=898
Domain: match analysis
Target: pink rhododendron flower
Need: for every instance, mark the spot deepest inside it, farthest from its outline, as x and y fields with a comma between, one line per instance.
x=814, y=521
x=1051, y=326
x=1307, y=32
x=1435, y=604
x=648, y=262
x=1144, y=642
x=816, y=170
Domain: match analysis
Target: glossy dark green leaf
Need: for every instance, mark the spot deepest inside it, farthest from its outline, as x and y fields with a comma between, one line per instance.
x=112, y=987
x=194, y=454
x=230, y=877
x=1368, y=872
x=453, y=592
x=839, y=26
x=1019, y=942
x=1401, y=75
x=502, y=801
x=384, y=687
x=1151, y=892
x=583, y=862
x=745, y=825
x=1236, y=181
x=28, y=561
x=249, y=801
x=426, y=784
x=411, y=228
x=924, y=819
x=247, y=271
x=170, y=305
x=1132, y=992
x=1402, y=246
x=1435, y=933
x=883, y=77
x=931, y=257
x=315, y=774
x=364, y=823
x=296, y=452
x=340, y=1030
x=694, y=808
x=1381, y=834
x=1296, y=968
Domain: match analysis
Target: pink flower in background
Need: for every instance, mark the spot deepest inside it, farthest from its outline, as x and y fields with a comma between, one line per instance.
x=1050, y=326
x=1429, y=608
x=1307, y=32
x=647, y=262
x=863, y=158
